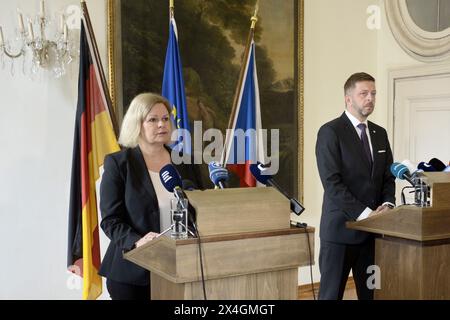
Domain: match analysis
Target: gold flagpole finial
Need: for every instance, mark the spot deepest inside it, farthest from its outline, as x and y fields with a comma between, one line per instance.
x=171, y=7
x=254, y=18
x=256, y=8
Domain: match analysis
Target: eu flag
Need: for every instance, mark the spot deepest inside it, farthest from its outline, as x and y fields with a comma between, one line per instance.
x=173, y=90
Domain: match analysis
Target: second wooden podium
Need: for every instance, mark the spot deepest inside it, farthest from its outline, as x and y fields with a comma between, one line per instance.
x=413, y=254
x=249, y=250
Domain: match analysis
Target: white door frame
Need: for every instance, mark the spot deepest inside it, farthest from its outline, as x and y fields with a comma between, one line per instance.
x=406, y=73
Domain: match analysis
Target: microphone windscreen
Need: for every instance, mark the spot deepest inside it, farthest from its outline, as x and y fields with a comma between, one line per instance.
x=170, y=178
x=398, y=170
x=217, y=173
x=437, y=164
x=257, y=170
x=426, y=167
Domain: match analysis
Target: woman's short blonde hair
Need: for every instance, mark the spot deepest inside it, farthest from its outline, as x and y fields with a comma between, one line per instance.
x=137, y=111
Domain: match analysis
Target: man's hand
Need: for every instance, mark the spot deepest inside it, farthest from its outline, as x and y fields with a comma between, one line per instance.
x=380, y=209
x=147, y=238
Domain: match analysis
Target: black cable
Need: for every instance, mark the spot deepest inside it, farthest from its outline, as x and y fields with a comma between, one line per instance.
x=310, y=264
x=304, y=226
x=201, y=260
x=194, y=225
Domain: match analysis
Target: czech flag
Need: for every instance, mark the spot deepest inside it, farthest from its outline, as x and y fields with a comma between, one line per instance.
x=173, y=90
x=240, y=153
x=94, y=138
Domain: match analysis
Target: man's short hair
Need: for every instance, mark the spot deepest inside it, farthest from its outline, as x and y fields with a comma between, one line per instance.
x=354, y=79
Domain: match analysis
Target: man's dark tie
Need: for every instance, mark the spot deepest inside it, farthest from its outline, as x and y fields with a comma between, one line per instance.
x=365, y=143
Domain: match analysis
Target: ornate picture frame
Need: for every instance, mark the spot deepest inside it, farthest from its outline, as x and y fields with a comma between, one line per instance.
x=116, y=68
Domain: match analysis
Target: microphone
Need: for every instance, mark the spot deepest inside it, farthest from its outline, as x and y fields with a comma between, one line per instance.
x=258, y=169
x=217, y=174
x=413, y=171
x=400, y=171
x=171, y=180
x=437, y=164
x=426, y=167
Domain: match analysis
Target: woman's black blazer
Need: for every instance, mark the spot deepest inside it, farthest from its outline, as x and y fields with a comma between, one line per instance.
x=129, y=210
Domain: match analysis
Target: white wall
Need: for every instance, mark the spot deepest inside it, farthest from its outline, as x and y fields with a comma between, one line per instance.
x=390, y=56
x=36, y=135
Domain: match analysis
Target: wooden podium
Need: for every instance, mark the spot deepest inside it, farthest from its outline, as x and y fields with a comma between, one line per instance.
x=249, y=249
x=414, y=251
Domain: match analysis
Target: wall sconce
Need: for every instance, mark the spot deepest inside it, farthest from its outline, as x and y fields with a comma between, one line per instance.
x=46, y=54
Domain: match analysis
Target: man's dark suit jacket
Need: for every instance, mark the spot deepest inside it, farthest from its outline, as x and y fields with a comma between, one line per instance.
x=349, y=185
x=130, y=210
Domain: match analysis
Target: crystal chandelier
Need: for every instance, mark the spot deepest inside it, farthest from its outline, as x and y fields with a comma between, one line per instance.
x=32, y=41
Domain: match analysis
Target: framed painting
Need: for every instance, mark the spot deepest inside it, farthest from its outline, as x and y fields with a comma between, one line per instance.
x=212, y=36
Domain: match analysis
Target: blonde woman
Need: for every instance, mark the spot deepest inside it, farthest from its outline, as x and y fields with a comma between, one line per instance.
x=134, y=204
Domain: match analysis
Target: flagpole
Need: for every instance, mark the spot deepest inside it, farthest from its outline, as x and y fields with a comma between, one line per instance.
x=254, y=20
x=98, y=62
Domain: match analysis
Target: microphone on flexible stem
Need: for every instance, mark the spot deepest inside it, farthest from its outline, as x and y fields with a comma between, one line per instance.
x=258, y=171
x=400, y=171
x=218, y=174
x=171, y=180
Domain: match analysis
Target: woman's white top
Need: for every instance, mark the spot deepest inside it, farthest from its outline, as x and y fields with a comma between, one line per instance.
x=163, y=197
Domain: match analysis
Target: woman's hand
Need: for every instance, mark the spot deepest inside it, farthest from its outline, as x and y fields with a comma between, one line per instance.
x=147, y=238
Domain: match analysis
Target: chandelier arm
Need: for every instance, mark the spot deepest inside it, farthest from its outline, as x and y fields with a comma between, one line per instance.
x=13, y=55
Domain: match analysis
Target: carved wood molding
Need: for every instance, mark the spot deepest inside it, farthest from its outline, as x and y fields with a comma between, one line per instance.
x=420, y=44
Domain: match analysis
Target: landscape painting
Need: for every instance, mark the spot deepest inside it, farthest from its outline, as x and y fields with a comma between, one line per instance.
x=212, y=35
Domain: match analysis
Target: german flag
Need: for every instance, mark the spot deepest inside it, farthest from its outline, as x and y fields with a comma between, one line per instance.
x=93, y=139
